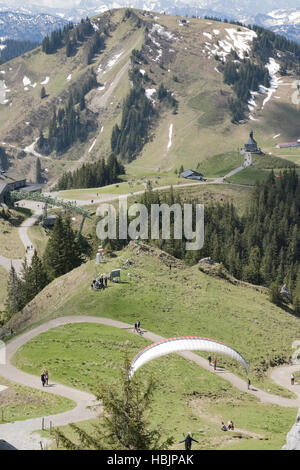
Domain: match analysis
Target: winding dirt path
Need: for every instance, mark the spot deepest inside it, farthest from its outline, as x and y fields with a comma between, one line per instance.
x=23, y=234
x=18, y=434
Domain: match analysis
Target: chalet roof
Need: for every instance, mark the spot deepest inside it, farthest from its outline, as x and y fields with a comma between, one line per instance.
x=187, y=173
x=251, y=140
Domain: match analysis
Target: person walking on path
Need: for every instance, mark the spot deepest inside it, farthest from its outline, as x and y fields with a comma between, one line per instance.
x=209, y=360
x=249, y=383
x=188, y=441
x=43, y=379
x=215, y=364
x=292, y=379
x=138, y=325
x=46, y=377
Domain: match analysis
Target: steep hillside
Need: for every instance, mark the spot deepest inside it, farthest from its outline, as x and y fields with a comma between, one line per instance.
x=176, y=52
x=188, y=300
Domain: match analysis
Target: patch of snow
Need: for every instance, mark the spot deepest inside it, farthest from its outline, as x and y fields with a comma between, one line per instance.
x=26, y=81
x=162, y=32
x=208, y=35
x=275, y=136
x=2, y=71
x=273, y=68
x=149, y=92
x=46, y=81
x=101, y=87
x=142, y=71
x=113, y=61
x=216, y=31
x=101, y=130
x=26, y=88
x=92, y=146
x=30, y=149
x=217, y=70
x=2, y=388
x=241, y=40
x=34, y=85
x=69, y=77
x=170, y=136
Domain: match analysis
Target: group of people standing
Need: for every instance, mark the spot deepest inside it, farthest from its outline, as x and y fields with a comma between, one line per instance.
x=100, y=282
x=44, y=378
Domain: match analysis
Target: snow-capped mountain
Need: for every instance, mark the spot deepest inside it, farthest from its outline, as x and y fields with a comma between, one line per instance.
x=16, y=25
x=281, y=16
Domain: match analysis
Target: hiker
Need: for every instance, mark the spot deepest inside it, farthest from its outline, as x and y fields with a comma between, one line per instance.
x=215, y=364
x=170, y=266
x=138, y=325
x=223, y=427
x=105, y=280
x=209, y=360
x=46, y=376
x=249, y=383
x=135, y=327
x=188, y=441
x=43, y=379
x=292, y=379
x=230, y=425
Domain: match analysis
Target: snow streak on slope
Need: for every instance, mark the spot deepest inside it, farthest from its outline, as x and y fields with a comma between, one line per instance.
x=273, y=68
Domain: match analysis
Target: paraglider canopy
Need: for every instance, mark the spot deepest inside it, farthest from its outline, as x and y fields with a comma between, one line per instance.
x=184, y=343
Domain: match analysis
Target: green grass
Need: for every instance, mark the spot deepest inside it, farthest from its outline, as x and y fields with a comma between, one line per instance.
x=221, y=165
x=10, y=242
x=20, y=403
x=250, y=176
x=85, y=355
x=134, y=184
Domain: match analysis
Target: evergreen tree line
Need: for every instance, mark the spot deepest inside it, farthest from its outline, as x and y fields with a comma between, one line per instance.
x=51, y=43
x=15, y=48
x=63, y=253
x=92, y=175
x=267, y=43
x=70, y=37
x=244, y=77
x=128, y=139
x=65, y=127
x=262, y=247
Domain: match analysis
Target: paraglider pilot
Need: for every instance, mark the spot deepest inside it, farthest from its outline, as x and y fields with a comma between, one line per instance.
x=188, y=441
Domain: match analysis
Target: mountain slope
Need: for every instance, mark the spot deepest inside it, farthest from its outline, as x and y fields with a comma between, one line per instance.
x=175, y=52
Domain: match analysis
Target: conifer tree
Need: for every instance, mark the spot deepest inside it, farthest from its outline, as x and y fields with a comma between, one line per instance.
x=124, y=422
x=14, y=294
x=38, y=171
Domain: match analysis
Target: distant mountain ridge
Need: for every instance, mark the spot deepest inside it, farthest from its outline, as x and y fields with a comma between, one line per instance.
x=20, y=26
x=283, y=19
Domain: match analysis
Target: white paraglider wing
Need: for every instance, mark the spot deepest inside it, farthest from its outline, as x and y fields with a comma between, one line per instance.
x=184, y=343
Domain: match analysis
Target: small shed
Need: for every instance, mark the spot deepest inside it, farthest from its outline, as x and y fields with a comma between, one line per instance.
x=115, y=275
x=192, y=175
